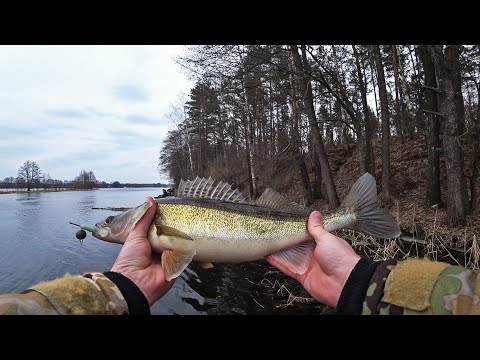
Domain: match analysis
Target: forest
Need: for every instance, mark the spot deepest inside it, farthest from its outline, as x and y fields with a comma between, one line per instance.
x=308, y=120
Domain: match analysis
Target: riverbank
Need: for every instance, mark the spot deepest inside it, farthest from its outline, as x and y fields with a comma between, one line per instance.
x=425, y=230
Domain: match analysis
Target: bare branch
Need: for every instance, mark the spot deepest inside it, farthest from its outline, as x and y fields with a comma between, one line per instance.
x=342, y=121
x=434, y=113
x=437, y=90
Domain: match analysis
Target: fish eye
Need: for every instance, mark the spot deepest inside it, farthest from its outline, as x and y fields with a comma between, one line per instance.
x=109, y=219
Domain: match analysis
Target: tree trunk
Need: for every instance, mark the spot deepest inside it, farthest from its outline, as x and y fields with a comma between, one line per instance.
x=345, y=135
x=476, y=144
x=317, y=170
x=306, y=87
x=296, y=137
x=366, y=116
x=408, y=113
x=373, y=72
x=450, y=104
x=249, y=139
x=476, y=153
x=398, y=97
x=342, y=97
x=382, y=90
x=433, y=194
x=369, y=125
x=187, y=136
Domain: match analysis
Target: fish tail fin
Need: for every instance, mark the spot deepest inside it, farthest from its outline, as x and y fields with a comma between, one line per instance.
x=371, y=220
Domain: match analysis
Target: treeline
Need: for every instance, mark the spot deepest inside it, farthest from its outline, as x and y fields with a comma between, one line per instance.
x=257, y=109
x=30, y=176
x=117, y=184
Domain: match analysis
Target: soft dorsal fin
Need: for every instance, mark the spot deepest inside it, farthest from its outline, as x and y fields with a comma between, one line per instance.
x=206, y=189
x=272, y=199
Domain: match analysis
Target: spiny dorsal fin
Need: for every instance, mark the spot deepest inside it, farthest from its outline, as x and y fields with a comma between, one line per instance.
x=206, y=189
x=272, y=199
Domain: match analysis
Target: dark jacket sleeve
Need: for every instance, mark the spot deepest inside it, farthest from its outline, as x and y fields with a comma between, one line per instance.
x=412, y=286
x=87, y=294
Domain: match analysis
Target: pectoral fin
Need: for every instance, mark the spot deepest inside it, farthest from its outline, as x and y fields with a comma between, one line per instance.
x=170, y=231
x=174, y=262
x=296, y=259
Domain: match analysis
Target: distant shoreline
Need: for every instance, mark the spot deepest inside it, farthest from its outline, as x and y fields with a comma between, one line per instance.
x=7, y=191
x=17, y=191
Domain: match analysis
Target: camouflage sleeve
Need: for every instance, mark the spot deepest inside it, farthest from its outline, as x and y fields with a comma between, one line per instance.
x=90, y=293
x=421, y=286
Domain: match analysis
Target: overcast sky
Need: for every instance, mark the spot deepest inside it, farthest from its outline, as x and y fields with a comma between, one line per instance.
x=98, y=108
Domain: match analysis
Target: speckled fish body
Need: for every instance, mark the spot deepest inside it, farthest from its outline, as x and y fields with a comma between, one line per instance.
x=208, y=226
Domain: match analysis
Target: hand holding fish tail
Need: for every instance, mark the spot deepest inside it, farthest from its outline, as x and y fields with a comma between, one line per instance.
x=329, y=267
x=137, y=262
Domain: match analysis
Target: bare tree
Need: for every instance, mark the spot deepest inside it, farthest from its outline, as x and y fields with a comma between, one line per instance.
x=296, y=136
x=8, y=182
x=382, y=90
x=471, y=59
x=86, y=180
x=369, y=165
x=451, y=108
x=305, y=82
x=29, y=173
x=433, y=193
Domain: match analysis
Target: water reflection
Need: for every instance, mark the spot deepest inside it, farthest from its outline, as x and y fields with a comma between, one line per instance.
x=88, y=201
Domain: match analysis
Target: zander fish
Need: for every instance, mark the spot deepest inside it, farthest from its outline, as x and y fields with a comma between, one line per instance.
x=207, y=222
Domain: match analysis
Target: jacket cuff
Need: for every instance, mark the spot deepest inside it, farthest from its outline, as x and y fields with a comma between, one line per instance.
x=136, y=301
x=355, y=289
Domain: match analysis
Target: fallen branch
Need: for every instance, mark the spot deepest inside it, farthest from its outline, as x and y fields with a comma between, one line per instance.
x=111, y=208
x=409, y=239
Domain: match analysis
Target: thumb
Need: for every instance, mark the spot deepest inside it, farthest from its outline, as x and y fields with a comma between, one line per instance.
x=141, y=227
x=315, y=226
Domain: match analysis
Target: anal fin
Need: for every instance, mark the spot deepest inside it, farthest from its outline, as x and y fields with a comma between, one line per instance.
x=205, y=264
x=174, y=262
x=296, y=259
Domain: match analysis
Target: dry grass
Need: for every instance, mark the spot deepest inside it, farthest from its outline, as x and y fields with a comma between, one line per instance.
x=434, y=247
x=426, y=228
x=283, y=291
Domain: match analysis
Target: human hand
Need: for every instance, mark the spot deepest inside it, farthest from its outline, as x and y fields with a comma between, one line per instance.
x=330, y=266
x=137, y=262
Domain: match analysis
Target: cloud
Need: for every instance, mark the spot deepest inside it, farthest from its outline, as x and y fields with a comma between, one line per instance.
x=99, y=108
x=66, y=113
x=95, y=112
x=129, y=139
x=129, y=93
x=141, y=119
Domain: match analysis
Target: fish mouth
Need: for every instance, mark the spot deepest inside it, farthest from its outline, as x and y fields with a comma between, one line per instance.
x=100, y=233
x=116, y=228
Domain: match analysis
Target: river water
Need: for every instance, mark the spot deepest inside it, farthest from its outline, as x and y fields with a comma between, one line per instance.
x=37, y=243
